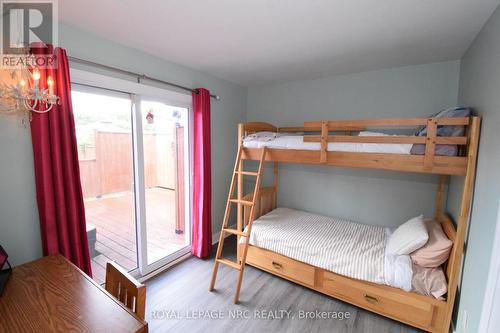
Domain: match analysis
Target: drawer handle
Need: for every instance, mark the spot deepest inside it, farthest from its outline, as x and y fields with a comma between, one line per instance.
x=277, y=265
x=371, y=299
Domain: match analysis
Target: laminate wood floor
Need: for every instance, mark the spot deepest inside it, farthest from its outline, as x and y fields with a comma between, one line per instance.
x=178, y=300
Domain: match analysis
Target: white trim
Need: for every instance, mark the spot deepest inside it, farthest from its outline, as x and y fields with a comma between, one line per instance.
x=493, y=279
x=215, y=237
x=165, y=267
x=165, y=260
x=146, y=91
x=140, y=185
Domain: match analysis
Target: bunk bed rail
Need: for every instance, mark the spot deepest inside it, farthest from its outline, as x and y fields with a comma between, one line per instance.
x=390, y=122
x=430, y=140
x=253, y=127
x=325, y=132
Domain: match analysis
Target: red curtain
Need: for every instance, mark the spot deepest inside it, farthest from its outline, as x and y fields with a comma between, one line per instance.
x=57, y=174
x=202, y=178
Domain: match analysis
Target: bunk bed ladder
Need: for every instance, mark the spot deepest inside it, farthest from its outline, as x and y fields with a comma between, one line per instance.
x=240, y=263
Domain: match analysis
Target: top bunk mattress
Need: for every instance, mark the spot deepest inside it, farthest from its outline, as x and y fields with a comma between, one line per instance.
x=337, y=245
x=296, y=142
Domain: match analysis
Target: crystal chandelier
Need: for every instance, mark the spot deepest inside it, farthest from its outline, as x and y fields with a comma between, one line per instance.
x=21, y=90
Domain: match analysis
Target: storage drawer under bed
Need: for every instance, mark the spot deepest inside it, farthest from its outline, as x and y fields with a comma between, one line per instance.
x=379, y=298
x=411, y=308
x=281, y=265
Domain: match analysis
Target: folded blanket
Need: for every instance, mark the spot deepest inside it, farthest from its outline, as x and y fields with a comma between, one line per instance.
x=261, y=136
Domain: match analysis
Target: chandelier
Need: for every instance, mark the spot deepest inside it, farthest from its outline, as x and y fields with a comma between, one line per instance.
x=22, y=90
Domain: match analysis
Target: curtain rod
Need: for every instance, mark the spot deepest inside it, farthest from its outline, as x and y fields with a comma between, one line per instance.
x=139, y=76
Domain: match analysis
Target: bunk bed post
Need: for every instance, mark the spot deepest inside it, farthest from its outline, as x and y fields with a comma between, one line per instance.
x=275, y=184
x=430, y=144
x=239, y=210
x=443, y=180
x=324, y=142
x=463, y=219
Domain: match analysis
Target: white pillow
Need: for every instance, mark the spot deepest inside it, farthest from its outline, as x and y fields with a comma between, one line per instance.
x=408, y=237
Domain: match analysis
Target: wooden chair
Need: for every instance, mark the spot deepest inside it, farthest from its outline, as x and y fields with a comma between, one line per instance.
x=126, y=289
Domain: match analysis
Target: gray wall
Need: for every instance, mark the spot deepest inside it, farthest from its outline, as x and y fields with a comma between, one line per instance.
x=480, y=88
x=19, y=226
x=368, y=196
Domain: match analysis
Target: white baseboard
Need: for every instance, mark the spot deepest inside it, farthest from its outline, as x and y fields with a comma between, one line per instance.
x=215, y=237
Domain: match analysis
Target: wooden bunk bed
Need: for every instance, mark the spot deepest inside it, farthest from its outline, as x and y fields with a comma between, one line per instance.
x=420, y=311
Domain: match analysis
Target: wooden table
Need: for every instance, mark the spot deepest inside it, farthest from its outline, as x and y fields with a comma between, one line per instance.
x=52, y=295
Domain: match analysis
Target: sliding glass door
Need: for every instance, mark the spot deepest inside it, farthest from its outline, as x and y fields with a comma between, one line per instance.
x=164, y=136
x=134, y=169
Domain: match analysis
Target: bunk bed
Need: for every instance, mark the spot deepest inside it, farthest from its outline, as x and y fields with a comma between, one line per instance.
x=333, y=143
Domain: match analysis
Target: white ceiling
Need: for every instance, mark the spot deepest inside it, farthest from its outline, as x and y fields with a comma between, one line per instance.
x=261, y=41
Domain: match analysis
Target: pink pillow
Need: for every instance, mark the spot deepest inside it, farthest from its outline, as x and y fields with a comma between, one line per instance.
x=429, y=281
x=437, y=249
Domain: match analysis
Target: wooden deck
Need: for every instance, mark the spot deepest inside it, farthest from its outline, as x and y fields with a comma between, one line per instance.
x=114, y=216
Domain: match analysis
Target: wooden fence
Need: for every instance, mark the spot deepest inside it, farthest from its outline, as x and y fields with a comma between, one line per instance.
x=107, y=167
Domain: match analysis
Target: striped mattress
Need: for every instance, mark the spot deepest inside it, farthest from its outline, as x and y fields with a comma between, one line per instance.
x=337, y=245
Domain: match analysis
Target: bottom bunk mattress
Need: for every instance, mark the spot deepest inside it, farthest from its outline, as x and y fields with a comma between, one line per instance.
x=337, y=245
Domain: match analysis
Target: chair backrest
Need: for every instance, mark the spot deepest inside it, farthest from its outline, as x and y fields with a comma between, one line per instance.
x=126, y=289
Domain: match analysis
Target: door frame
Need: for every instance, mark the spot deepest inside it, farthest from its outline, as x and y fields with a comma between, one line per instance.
x=138, y=91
